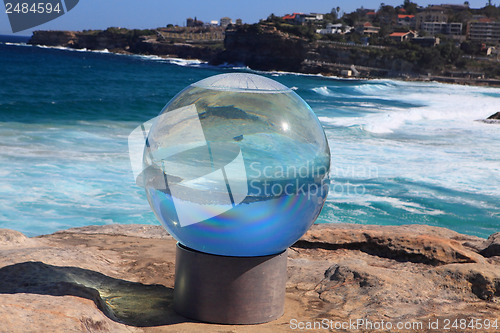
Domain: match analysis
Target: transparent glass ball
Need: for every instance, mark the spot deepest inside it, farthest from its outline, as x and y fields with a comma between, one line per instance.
x=237, y=165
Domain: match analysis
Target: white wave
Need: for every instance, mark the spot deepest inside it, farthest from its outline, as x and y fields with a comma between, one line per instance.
x=100, y=51
x=176, y=61
x=411, y=207
x=171, y=60
x=185, y=62
x=458, y=105
x=15, y=44
x=281, y=73
x=459, y=110
x=323, y=91
x=367, y=105
x=385, y=123
x=367, y=200
x=340, y=121
x=375, y=89
x=63, y=48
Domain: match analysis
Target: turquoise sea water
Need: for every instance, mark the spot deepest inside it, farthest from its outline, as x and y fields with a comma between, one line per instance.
x=402, y=152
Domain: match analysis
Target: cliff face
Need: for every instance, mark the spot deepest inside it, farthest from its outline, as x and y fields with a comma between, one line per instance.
x=149, y=45
x=258, y=47
x=122, y=40
x=53, y=38
x=371, y=58
x=263, y=50
x=80, y=40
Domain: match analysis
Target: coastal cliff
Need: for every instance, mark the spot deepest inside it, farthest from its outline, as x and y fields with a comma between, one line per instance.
x=258, y=47
x=266, y=48
x=92, y=40
x=120, y=278
x=146, y=42
x=263, y=47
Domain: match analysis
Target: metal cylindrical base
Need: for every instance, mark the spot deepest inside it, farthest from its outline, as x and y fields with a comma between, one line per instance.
x=229, y=290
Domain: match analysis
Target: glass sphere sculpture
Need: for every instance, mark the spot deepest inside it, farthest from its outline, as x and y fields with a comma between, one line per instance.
x=237, y=165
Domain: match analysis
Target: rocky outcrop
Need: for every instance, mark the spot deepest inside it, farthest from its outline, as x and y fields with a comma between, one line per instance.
x=493, y=119
x=259, y=47
x=495, y=116
x=124, y=41
x=53, y=38
x=492, y=246
x=119, y=278
x=263, y=49
x=91, y=40
x=417, y=244
x=150, y=45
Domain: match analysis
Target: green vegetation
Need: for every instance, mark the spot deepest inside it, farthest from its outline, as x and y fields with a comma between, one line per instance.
x=131, y=34
x=489, y=10
x=251, y=28
x=410, y=7
x=449, y=55
x=307, y=31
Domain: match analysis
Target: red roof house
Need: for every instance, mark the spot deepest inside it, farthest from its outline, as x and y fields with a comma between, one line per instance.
x=402, y=36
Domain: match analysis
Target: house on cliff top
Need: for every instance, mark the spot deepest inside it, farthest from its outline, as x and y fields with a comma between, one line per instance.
x=367, y=29
x=406, y=20
x=301, y=18
x=402, y=36
x=225, y=21
x=337, y=28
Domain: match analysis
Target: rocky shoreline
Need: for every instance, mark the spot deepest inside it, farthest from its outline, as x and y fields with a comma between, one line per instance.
x=263, y=49
x=125, y=41
x=119, y=278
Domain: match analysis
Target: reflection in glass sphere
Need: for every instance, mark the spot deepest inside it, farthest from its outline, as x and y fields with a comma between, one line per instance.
x=236, y=164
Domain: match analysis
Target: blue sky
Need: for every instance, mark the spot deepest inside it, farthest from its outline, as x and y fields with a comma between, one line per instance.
x=100, y=14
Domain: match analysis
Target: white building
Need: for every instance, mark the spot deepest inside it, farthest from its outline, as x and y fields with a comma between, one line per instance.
x=225, y=21
x=484, y=30
x=313, y=17
x=337, y=28
x=300, y=18
x=213, y=23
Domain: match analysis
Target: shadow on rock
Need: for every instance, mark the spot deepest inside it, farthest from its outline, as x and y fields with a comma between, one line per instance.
x=130, y=303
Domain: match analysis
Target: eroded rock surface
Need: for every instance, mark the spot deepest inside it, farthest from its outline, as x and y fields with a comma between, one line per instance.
x=120, y=278
x=492, y=246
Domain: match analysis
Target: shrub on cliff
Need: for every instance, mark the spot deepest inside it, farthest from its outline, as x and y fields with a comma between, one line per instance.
x=449, y=53
x=130, y=35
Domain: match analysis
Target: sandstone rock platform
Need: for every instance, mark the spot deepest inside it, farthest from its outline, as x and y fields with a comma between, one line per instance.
x=120, y=278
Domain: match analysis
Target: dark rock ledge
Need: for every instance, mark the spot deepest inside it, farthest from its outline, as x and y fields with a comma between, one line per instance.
x=119, y=278
x=495, y=116
x=493, y=119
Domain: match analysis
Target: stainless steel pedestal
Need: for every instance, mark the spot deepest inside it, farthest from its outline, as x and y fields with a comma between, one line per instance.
x=229, y=290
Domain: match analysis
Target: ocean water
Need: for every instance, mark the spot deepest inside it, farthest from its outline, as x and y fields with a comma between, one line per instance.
x=402, y=152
